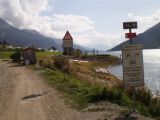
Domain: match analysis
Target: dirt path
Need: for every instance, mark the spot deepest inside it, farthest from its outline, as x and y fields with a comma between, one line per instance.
x=24, y=96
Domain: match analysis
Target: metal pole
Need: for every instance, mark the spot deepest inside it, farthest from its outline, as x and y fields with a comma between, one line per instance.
x=130, y=31
x=134, y=96
x=134, y=99
x=68, y=64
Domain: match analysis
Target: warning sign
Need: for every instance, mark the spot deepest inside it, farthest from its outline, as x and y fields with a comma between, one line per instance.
x=133, y=72
x=67, y=40
x=67, y=36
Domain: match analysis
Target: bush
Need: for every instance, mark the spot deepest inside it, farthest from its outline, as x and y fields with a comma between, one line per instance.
x=47, y=64
x=143, y=96
x=154, y=107
x=77, y=53
x=16, y=57
x=61, y=63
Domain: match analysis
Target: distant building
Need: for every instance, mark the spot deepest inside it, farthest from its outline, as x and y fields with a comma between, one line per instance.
x=52, y=49
x=29, y=56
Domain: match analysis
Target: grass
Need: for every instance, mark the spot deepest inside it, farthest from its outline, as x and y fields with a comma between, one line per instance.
x=40, y=55
x=104, y=58
x=88, y=68
x=43, y=55
x=81, y=67
x=81, y=93
x=74, y=89
x=5, y=54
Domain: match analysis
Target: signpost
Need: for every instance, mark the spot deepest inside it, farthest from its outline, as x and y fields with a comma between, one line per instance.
x=67, y=45
x=133, y=72
x=130, y=26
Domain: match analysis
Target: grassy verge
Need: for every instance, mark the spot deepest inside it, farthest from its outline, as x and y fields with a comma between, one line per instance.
x=43, y=55
x=5, y=54
x=40, y=55
x=82, y=92
x=102, y=58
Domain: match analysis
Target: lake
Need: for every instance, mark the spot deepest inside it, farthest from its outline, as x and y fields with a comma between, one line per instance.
x=151, y=69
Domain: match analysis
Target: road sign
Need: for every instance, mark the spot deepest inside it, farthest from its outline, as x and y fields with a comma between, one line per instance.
x=67, y=40
x=67, y=36
x=133, y=72
x=129, y=25
x=130, y=35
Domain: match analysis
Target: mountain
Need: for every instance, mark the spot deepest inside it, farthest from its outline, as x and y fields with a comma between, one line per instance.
x=150, y=39
x=27, y=37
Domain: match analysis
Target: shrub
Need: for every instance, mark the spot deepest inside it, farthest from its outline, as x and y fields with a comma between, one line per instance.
x=77, y=53
x=61, y=63
x=143, y=96
x=154, y=107
x=16, y=57
x=47, y=64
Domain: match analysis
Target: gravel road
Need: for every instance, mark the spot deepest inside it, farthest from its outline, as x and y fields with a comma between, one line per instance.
x=24, y=96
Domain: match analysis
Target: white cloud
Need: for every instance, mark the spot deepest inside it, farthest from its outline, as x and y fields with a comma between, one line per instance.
x=99, y=40
x=28, y=14
x=75, y=23
x=145, y=22
x=130, y=14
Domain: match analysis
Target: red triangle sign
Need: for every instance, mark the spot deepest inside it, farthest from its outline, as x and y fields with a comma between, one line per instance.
x=67, y=36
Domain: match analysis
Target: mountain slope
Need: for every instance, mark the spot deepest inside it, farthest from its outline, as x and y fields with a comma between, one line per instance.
x=150, y=39
x=25, y=37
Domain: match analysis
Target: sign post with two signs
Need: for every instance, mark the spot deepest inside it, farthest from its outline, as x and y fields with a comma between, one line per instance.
x=130, y=26
x=133, y=72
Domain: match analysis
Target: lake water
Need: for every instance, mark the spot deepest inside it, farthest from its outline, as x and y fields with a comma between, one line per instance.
x=151, y=69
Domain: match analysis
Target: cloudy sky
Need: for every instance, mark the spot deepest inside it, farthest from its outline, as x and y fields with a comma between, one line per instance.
x=92, y=23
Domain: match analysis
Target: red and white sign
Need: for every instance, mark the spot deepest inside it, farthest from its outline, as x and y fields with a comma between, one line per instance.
x=67, y=36
x=67, y=40
x=130, y=35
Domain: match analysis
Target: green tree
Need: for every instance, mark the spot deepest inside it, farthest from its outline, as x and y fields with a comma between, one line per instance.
x=77, y=53
x=16, y=57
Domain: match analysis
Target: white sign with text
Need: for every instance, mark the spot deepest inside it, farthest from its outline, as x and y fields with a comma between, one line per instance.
x=133, y=72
